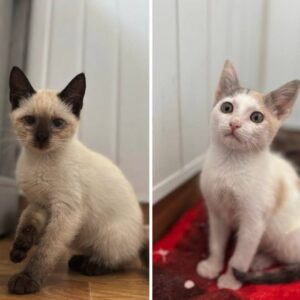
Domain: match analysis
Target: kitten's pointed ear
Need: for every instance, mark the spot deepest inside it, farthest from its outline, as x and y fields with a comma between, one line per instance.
x=19, y=87
x=73, y=93
x=281, y=101
x=228, y=83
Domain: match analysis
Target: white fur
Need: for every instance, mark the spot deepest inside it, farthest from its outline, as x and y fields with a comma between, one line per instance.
x=239, y=182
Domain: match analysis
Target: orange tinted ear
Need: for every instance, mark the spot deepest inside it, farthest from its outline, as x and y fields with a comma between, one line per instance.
x=281, y=101
x=228, y=83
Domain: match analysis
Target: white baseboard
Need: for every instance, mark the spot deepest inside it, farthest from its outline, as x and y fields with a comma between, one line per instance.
x=176, y=179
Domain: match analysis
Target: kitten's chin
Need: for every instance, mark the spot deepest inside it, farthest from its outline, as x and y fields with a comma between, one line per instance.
x=232, y=142
x=237, y=143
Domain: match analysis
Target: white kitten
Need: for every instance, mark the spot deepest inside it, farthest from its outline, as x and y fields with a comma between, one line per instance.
x=77, y=198
x=247, y=188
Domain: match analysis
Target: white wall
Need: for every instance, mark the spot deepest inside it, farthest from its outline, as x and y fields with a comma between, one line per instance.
x=179, y=108
x=282, y=49
x=192, y=38
x=108, y=40
x=6, y=8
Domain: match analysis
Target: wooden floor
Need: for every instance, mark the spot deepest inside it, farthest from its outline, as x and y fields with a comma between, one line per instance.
x=64, y=284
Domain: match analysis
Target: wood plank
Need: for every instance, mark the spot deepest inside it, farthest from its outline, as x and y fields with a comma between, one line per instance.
x=168, y=210
x=65, y=284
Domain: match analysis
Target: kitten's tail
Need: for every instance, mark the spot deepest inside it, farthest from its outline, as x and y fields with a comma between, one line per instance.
x=144, y=251
x=280, y=275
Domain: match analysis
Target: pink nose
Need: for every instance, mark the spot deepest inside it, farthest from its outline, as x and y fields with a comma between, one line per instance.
x=234, y=125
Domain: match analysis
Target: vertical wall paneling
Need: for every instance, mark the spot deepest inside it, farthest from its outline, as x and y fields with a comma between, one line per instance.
x=108, y=40
x=65, y=48
x=101, y=62
x=236, y=36
x=6, y=12
x=7, y=147
x=282, y=49
x=39, y=42
x=219, y=38
x=192, y=61
x=133, y=90
x=166, y=139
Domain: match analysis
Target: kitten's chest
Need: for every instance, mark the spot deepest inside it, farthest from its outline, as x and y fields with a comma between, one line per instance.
x=224, y=186
x=224, y=180
x=36, y=180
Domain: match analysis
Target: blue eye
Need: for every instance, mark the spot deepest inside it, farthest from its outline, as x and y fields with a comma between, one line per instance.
x=58, y=123
x=29, y=120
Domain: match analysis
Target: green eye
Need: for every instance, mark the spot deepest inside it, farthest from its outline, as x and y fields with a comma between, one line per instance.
x=226, y=108
x=58, y=123
x=29, y=120
x=257, y=117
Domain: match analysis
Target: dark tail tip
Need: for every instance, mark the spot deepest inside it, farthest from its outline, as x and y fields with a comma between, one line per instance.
x=241, y=276
x=144, y=256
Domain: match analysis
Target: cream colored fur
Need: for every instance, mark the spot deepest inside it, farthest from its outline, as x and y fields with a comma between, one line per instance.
x=97, y=210
x=78, y=199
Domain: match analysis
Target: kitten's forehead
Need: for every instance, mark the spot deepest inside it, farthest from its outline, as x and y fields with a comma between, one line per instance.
x=246, y=102
x=44, y=102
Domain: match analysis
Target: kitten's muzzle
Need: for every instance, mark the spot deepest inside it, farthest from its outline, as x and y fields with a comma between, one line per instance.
x=42, y=138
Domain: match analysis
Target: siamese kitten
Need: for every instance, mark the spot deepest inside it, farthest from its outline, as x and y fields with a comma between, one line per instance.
x=248, y=188
x=78, y=199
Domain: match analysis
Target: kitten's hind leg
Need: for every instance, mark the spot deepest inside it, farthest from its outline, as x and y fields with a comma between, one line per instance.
x=261, y=261
x=30, y=227
x=90, y=266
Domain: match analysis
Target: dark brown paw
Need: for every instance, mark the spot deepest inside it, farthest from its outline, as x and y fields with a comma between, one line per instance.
x=22, y=284
x=144, y=256
x=91, y=268
x=76, y=261
x=86, y=266
x=22, y=244
x=17, y=255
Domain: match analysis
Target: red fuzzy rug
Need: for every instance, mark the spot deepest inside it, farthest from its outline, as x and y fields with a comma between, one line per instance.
x=174, y=267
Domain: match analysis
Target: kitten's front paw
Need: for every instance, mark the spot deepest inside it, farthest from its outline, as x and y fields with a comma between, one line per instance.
x=228, y=281
x=22, y=244
x=22, y=283
x=17, y=255
x=209, y=269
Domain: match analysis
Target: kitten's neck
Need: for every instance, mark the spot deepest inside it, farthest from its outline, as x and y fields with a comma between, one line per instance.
x=221, y=151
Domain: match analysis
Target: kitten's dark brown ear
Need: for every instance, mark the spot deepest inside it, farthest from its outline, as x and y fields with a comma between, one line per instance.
x=19, y=87
x=73, y=93
x=281, y=101
x=228, y=83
